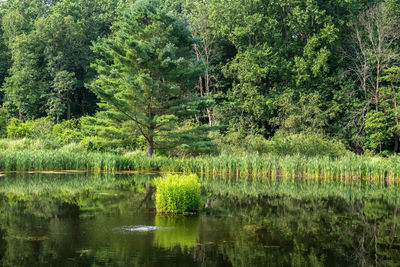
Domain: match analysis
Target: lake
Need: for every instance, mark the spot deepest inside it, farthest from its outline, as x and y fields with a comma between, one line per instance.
x=83, y=219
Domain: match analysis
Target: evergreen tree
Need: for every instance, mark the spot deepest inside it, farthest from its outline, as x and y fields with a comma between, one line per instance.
x=146, y=70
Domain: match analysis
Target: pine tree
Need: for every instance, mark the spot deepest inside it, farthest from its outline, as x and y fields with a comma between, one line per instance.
x=145, y=73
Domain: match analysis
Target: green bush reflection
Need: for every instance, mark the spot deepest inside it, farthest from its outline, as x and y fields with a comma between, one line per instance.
x=176, y=230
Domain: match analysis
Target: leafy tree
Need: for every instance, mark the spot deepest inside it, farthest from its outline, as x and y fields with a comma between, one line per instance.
x=390, y=98
x=146, y=70
x=59, y=100
x=375, y=49
x=26, y=86
x=379, y=130
x=206, y=50
x=372, y=51
x=49, y=42
x=5, y=57
x=277, y=48
x=65, y=55
x=304, y=116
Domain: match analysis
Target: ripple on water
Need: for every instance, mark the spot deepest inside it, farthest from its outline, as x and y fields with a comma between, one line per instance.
x=139, y=228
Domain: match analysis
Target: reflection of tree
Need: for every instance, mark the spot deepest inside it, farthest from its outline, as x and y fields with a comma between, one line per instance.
x=149, y=195
x=381, y=236
x=25, y=242
x=40, y=221
x=283, y=231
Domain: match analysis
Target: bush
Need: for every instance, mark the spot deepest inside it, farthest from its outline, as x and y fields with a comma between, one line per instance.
x=379, y=130
x=40, y=128
x=283, y=144
x=309, y=145
x=177, y=194
x=67, y=132
x=100, y=144
x=17, y=129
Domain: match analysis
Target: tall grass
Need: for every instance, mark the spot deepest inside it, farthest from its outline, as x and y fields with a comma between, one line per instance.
x=178, y=194
x=346, y=168
x=41, y=160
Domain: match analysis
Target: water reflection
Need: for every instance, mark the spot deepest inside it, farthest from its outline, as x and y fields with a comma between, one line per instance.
x=239, y=228
x=177, y=230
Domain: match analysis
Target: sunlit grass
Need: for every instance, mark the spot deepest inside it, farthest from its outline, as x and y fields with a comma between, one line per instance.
x=350, y=167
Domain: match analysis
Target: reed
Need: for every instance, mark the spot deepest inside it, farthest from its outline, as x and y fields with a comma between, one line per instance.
x=178, y=194
x=345, y=168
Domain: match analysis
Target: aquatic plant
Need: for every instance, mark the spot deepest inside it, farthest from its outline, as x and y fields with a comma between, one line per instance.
x=177, y=193
x=346, y=168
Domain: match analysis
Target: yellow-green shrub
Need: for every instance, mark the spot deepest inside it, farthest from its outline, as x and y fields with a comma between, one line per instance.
x=17, y=129
x=178, y=193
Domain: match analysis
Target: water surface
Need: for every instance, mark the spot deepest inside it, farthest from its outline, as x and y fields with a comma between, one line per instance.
x=106, y=220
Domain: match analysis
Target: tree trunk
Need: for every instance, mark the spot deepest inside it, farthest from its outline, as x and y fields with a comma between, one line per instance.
x=285, y=26
x=149, y=149
x=207, y=88
x=210, y=120
x=68, y=109
x=149, y=192
x=397, y=122
x=378, y=68
x=83, y=99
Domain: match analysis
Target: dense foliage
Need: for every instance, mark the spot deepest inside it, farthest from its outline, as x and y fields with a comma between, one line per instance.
x=166, y=72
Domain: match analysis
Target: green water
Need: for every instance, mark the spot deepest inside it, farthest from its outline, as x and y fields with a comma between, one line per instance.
x=106, y=220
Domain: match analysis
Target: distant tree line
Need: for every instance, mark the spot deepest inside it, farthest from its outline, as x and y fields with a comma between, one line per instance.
x=257, y=67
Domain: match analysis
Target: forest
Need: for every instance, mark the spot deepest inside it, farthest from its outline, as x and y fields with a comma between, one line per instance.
x=184, y=78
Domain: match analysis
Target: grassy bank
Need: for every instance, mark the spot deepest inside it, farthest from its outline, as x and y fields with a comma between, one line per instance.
x=347, y=167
